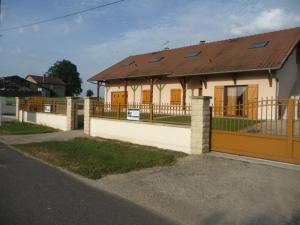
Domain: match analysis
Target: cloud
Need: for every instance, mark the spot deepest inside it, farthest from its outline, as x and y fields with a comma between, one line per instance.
x=79, y=19
x=2, y=15
x=21, y=30
x=17, y=51
x=184, y=28
x=66, y=28
x=36, y=28
x=271, y=19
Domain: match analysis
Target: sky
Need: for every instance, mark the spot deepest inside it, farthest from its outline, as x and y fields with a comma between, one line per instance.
x=98, y=39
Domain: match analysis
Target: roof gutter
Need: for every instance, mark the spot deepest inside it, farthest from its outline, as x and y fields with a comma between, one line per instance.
x=228, y=71
x=140, y=76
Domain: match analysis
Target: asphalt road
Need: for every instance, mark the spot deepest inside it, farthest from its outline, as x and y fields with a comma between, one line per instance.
x=33, y=193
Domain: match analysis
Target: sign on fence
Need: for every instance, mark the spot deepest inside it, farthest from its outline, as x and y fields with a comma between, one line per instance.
x=133, y=114
x=47, y=108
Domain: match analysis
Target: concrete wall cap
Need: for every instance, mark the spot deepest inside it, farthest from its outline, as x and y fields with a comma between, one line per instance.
x=70, y=97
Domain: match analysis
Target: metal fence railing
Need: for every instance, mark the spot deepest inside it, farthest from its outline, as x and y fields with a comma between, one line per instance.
x=296, y=120
x=39, y=104
x=265, y=116
x=161, y=113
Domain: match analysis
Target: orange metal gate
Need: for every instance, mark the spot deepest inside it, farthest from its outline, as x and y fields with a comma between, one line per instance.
x=268, y=129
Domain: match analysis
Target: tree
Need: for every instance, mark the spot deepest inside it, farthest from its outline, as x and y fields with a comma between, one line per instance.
x=67, y=71
x=89, y=93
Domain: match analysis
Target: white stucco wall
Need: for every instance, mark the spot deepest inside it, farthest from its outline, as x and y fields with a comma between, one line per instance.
x=177, y=138
x=193, y=86
x=264, y=89
x=289, y=77
x=140, y=86
x=56, y=121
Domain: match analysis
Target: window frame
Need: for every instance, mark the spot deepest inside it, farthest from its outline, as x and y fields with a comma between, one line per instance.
x=259, y=44
x=240, y=112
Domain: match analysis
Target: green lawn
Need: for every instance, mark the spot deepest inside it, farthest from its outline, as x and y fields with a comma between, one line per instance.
x=231, y=124
x=173, y=119
x=156, y=117
x=227, y=124
x=23, y=128
x=96, y=158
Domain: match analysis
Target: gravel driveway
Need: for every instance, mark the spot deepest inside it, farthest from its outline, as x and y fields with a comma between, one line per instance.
x=213, y=190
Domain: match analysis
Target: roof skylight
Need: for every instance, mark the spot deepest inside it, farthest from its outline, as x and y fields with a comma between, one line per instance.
x=260, y=44
x=156, y=59
x=193, y=54
x=129, y=63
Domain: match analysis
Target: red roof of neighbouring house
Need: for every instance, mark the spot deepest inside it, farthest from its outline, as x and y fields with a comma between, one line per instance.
x=226, y=56
x=46, y=80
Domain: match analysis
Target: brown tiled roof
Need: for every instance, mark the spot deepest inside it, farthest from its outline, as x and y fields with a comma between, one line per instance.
x=226, y=56
x=46, y=80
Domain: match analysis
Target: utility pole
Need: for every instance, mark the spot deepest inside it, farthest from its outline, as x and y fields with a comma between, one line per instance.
x=1, y=108
x=0, y=11
x=3, y=80
x=0, y=15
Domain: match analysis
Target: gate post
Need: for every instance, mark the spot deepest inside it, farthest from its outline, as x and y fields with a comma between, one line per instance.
x=19, y=111
x=290, y=127
x=87, y=114
x=71, y=113
x=200, y=127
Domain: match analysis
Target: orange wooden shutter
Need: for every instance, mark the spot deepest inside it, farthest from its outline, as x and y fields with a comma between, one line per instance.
x=176, y=96
x=218, y=100
x=146, y=97
x=252, y=95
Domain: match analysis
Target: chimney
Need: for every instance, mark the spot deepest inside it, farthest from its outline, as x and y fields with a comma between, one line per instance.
x=44, y=76
x=202, y=42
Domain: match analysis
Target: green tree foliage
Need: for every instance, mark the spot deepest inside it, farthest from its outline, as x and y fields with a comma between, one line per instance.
x=89, y=93
x=67, y=71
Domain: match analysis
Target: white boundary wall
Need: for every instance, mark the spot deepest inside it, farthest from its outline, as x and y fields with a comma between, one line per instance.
x=172, y=137
x=57, y=121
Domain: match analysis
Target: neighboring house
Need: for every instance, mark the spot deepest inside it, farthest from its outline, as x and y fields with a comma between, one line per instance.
x=12, y=86
x=233, y=71
x=56, y=85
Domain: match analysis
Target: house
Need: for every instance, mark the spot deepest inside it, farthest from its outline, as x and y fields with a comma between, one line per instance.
x=56, y=85
x=233, y=71
x=12, y=86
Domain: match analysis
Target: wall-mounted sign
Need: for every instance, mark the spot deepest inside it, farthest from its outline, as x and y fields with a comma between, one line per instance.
x=47, y=108
x=133, y=114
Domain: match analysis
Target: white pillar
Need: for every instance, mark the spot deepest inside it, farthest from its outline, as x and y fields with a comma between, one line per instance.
x=71, y=113
x=201, y=124
x=87, y=114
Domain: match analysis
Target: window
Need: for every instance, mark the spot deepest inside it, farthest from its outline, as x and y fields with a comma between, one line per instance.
x=175, y=96
x=129, y=63
x=234, y=99
x=260, y=44
x=193, y=54
x=156, y=59
x=146, y=97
